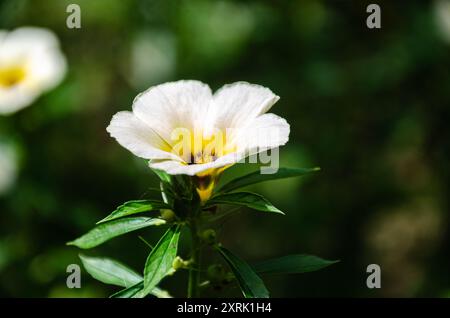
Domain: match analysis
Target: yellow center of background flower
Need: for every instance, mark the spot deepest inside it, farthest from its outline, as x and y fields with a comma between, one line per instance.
x=11, y=75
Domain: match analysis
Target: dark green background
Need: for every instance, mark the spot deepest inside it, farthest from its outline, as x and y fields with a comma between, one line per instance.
x=370, y=107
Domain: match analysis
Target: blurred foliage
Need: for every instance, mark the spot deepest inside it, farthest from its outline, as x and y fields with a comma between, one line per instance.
x=370, y=107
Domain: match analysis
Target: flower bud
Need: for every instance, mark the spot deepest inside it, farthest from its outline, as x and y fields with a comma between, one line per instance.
x=179, y=263
x=209, y=236
x=167, y=214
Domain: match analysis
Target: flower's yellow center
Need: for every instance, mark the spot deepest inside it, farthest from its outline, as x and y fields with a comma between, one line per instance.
x=195, y=148
x=11, y=75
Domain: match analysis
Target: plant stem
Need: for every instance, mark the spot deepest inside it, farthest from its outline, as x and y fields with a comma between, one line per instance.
x=194, y=271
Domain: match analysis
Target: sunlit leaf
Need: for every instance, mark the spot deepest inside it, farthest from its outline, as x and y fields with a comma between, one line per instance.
x=250, y=283
x=106, y=231
x=293, y=264
x=133, y=207
x=247, y=199
x=110, y=272
x=256, y=177
x=160, y=260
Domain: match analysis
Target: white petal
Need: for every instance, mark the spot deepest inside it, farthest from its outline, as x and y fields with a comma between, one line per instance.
x=266, y=132
x=235, y=105
x=14, y=99
x=45, y=62
x=27, y=38
x=3, y=34
x=136, y=136
x=47, y=69
x=176, y=167
x=181, y=104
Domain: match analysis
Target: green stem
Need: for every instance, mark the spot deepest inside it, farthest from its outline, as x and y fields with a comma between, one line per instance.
x=194, y=271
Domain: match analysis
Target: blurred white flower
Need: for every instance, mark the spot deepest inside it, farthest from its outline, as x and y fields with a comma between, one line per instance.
x=31, y=63
x=442, y=16
x=8, y=167
x=216, y=130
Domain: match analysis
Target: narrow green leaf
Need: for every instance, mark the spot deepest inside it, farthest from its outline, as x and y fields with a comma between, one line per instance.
x=251, y=284
x=166, y=193
x=110, y=272
x=292, y=264
x=256, y=177
x=106, y=231
x=133, y=290
x=133, y=207
x=248, y=199
x=160, y=259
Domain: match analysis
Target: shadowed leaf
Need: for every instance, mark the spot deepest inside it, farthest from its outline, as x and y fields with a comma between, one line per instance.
x=247, y=199
x=256, y=177
x=293, y=264
x=250, y=283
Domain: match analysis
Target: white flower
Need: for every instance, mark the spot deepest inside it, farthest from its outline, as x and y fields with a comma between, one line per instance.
x=217, y=130
x=31, y=63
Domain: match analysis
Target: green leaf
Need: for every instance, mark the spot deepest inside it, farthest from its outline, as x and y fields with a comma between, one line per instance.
x=133, y=290
x=293, y=264
x=110, y=272
x=162, y=175
x=251, y=285
x=130, y=291
x=248, y=199
x=256, y=177
x=106, y=231
x=160, y=259
x=133, y=207
x=166, y=193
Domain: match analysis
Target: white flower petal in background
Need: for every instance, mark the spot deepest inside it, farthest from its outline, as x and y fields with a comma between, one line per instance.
x=31, y=63
x=8, y=167
x=148, y=132
x=442, y=17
